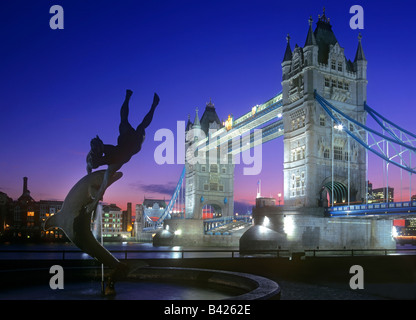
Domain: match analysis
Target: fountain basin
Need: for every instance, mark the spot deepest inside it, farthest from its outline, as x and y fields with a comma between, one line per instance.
x=149, y=283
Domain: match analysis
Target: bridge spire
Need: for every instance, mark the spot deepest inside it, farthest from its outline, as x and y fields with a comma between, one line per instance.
x=310, y=38
x=288, y=52
x=359, y=55
x=196, y=124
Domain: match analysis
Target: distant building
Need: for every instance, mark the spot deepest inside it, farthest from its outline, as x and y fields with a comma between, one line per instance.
x=48, y=208
x=127, y=219
x=154, y=208
x=6, y=212
x=150, y=210
x=379, y=194
x=112, y=221
x=25, y=222
x=265, y=202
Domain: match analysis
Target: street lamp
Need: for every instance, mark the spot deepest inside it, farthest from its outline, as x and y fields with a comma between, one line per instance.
x=279, y=195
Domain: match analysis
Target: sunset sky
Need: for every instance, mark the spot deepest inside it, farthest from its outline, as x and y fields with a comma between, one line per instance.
x=60, y=88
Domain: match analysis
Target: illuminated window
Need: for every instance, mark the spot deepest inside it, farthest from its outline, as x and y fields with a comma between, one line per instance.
x=30, y=214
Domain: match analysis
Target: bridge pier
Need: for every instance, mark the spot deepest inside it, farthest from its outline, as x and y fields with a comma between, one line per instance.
x=299, y=229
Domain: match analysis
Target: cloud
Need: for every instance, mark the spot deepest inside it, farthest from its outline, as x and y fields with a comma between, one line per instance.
x=166, y=189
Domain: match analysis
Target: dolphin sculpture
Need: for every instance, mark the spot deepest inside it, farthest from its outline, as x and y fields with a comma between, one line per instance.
x=75, y=221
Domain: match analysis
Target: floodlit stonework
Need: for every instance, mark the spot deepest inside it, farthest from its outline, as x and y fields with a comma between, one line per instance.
x=311, y=144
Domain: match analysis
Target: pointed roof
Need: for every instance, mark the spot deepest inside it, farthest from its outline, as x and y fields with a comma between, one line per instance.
x=310, y=38
x=209, y=116
x=288, y=52
x=324, y=37
x=359, y=55
x=196, y=124
x=189, y=123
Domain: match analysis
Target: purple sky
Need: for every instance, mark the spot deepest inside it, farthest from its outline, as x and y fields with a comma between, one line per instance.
x=59, y=88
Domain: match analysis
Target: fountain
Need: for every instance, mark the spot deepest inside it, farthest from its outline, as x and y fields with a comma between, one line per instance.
x=134, y=280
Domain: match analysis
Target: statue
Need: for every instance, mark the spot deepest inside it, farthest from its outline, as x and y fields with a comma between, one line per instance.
x=75, y=216
x=129, y=143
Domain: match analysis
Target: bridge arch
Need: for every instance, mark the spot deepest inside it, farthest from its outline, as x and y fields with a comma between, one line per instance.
x=336, y=188
x=211, y=209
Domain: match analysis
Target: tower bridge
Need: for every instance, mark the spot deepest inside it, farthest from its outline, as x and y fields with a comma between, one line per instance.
x=321, y=113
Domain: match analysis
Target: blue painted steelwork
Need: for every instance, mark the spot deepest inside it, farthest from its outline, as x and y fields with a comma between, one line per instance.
x=340, y=118
x=159, y=222
x=375, y=115
x=391, y=208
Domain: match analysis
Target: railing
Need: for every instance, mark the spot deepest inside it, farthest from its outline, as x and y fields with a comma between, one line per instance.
x=373, y=208
x=73, y=254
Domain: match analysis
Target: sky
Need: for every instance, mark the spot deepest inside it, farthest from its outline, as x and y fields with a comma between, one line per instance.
x=60, y=88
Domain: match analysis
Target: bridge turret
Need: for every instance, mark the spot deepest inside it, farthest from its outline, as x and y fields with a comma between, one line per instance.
x=310, y=153
x=360, y=67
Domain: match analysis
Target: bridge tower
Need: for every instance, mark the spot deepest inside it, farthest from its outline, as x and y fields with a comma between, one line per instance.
x=320, y=161
x=209, y=181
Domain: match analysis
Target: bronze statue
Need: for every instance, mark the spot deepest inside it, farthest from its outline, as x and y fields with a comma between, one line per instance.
x=75, y=216
x=129, y=143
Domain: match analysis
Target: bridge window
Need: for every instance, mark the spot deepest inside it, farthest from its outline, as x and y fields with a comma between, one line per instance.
x=203, y=169
x=220, y=188
x=346, y=86
x=224, y=170
x=205, y=187
x=346, y=156
x=340, y=85
x=326, y=82
x=333, y=65
x=339, y=66
x=213, y=168
x=213, y=186
x=322, y=120
x=333, y=83
x=298, y=154
x=326, y=154
x=337, y=153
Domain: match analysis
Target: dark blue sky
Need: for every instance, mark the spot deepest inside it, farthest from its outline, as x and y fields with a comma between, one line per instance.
x=59, y=88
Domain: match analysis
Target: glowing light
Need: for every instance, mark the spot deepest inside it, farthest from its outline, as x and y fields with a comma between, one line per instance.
x=178, y=232
x=229, y=123
x=266, y=221
x=279, y=115
x=288, y=225
x=394, y=232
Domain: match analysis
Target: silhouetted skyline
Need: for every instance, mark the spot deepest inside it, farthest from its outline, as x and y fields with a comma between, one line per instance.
x=60, y=88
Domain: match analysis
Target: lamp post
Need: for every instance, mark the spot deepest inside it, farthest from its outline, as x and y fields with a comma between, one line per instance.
x=279, y=195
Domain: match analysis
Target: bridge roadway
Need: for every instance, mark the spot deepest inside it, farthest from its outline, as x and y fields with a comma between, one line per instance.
x=268, y=114
x=390, y=209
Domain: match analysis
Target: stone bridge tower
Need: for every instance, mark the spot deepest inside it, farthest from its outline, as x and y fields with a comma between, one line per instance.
x=209, y=181
x=311, y=146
